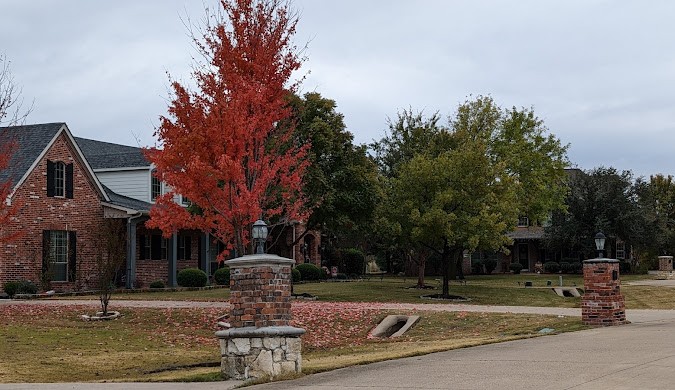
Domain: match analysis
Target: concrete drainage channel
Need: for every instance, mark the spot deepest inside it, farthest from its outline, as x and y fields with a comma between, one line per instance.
x=394, y=326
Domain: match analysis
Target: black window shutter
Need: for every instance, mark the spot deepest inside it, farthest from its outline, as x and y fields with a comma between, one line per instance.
x=141, y=244
x=72, y=262
x=156, y=247
x=188, y=247
x=50, y=178
x=69, y=181
x=45, y=251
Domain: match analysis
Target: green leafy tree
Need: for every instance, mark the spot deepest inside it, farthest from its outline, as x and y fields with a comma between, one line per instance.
x=341, y=181
x=602, y=199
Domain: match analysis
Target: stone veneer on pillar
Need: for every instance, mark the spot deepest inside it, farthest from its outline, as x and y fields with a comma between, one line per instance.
x=602, y=303
x=261, y=342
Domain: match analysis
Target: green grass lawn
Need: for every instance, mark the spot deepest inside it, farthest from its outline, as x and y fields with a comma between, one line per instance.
x=480, y=289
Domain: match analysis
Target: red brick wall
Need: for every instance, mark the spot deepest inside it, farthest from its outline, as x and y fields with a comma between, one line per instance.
x=148, y=271
x=82, y=214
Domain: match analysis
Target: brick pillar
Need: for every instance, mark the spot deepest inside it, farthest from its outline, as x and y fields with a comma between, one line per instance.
x=260, y=343
x=602, y=303
x=666, y=263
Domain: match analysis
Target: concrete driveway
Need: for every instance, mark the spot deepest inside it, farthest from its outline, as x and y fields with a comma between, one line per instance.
x=635, y=356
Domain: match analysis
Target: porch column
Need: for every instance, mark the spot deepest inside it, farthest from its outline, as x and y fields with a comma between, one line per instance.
x=131, y=252
x=172, y=249
x=205, y=253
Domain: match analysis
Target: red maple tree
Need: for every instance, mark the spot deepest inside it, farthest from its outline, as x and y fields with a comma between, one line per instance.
x=227, y=146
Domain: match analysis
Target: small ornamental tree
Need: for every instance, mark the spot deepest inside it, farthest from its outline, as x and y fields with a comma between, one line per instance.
x=222, y=145
x=110, y=256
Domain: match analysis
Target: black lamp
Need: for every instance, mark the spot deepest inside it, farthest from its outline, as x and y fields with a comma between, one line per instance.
x=259, y=234
x=600, y=243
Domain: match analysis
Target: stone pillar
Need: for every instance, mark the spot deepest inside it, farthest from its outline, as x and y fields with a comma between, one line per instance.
x=602, y=303
x=261, y=342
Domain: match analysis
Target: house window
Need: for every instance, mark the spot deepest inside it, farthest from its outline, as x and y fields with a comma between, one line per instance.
x=155, y=186
x=59, y=255
x=523, y=222
x=184, y=200
x=59, y=179
x=152, y=247
x=184, y=247
x=620, y=250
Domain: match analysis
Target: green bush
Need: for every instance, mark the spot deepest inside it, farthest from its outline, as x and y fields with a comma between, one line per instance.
x=516, y=267
x=477, y=266
x=576, y=267
x=490, y=265
x=192, y=277
x=565, y=267
x=157, y=284
x=341, y=276
x=551, y=267
x=21, y=287
x=222, y=276
x=11, y=288
x=296, y=275
x=309, y=271
x=624, y=267
x=354, y=261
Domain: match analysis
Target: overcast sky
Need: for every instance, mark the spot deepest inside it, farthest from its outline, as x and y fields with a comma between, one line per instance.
x=601, y=74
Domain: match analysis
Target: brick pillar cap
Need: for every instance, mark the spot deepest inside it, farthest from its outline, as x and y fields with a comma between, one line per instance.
x=262, y=259
x=596, y=261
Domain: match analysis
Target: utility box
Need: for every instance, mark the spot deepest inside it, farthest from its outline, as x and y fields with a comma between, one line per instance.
x=602, y=303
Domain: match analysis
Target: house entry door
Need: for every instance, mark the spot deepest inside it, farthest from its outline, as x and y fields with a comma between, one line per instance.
x=524, y=256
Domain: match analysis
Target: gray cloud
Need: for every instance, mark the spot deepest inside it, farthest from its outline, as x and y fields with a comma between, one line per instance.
x=600, y=73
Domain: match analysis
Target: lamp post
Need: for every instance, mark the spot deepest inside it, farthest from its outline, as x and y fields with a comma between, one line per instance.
x=259, y=234
x=600, y=243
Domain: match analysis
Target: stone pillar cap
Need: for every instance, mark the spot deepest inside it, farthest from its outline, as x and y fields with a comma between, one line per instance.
x=603, y=260
x=265, y=331
x=264, y=258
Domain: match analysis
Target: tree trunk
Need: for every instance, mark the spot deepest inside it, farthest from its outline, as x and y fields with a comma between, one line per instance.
x=421, y=266
x=445, y=260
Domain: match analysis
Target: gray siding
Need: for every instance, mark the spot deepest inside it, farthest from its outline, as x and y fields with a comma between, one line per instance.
x=134, y=184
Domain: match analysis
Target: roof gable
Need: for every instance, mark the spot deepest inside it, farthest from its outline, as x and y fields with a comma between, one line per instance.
x=32, y=143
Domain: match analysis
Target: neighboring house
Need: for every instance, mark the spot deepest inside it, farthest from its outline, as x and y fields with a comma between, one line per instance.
x=66, y=186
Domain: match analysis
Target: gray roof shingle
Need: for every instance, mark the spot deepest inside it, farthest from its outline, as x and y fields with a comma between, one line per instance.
x=106, y=155
x=30, y=141
x=129, y=203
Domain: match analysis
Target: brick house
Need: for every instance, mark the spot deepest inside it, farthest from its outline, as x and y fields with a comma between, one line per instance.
x=66, y=186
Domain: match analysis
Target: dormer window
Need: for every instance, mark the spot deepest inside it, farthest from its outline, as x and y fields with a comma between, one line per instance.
x=523, y=222
x=155, y=186
x=59, y=179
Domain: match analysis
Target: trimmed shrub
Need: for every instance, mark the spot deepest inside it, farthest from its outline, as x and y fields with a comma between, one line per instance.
x=11, y=288
x=341, y=276
x=192, y=277
x=354, y=261
x=624, y=267
x=222, y=276
x=309, y=271
x=515, y=267
x=477, y=266
x=576, y=267
x=25, y=287
x=490, y=265
x=565, y=267
x=157, y=284
x=296, y=275
x=551, y=267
